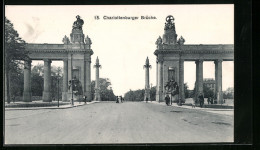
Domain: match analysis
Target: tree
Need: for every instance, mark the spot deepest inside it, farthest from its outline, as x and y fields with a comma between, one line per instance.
x=37, y=80
x=106, y=92
x=229, y=93
x=16, y=84
x=207, y=91
x=186, y=91
x=137, y=95
x=14, y=53
x=153, y=93
x=56, y=83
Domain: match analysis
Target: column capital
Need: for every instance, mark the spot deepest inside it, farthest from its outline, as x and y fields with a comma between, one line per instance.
x=65, y=59
x=89, y=61
x=47, y=60
x=218, y=61
x=27, y=64
x=181, y=60
x=160, y=60
x=28, y=61
x=199, y=61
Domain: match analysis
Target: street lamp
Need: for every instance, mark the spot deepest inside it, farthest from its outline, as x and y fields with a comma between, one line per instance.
x=58, y=78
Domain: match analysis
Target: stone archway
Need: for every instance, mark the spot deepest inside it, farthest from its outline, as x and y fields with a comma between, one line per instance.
x=76, y=56
x=171, y=53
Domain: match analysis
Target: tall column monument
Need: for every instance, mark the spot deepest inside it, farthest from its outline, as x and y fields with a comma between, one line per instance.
x=147, y=66
x=97, y=88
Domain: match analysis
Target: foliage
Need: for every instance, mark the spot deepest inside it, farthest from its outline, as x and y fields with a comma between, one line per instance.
x=16, y=84
x=207, y=91
x=14, y=53
x=229, y=93
x=137, y=95
x=153, y=93
x=37, y=80
x=106, y=92
x=186, y=91
x=56, y=82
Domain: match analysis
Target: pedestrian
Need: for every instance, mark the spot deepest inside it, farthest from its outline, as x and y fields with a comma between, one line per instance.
x=211, y=100
x=201, y=99
x=13, y=98
x=121, y=98
x=193, y=105
x=167, y=100
x=208, y=99
x=85, y=99
x=117, y=99
x=146, y=99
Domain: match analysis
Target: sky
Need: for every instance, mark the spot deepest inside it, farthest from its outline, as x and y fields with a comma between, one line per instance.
x=123, y=45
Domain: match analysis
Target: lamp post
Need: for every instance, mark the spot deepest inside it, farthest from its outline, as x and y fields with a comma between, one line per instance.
x=58, y=77
x=72, y=103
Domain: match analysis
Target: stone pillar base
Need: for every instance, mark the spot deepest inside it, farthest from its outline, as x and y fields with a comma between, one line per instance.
x=69, y=96
x=46, y=97
x=97, y=98
x=88, y=94
x=159, y=97
x=27, y=96
x=64, y=97
x=220, y=97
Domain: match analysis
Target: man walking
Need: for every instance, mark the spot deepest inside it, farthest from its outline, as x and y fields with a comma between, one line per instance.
x=167, y=100
x=201, y=99
x=117, y=99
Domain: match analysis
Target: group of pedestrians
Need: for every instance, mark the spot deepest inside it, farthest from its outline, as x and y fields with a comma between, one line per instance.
x=119, y=98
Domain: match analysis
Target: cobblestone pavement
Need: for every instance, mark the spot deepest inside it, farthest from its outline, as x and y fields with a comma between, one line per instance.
x=110, y=122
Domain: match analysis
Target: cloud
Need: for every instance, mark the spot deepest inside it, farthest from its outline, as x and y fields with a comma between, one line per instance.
x=33, y=31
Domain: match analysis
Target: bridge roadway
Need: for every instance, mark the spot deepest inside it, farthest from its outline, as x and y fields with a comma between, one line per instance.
x=110, y=122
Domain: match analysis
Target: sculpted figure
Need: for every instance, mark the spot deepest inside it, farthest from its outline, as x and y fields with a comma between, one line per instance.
x=159, y=42
x=169, y=23
x=181, y=40
x=66, y=40
x=78, y=23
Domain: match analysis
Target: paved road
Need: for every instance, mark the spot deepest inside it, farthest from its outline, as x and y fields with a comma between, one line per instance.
x=107, y=122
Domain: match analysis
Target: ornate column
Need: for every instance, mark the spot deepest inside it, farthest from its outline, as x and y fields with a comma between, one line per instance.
x=65, y=80
x=27, y=92
x=88, y=80
x=216, y=79
x=156, y=74
x=181, y=80
x=199, y=76
x=159, y=90
x=82, y=76
x=97, y=88
x=47, y=80
x=218, y=73
x=147, y=83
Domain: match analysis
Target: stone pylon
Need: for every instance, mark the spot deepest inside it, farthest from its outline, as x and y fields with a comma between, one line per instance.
x=147, y=66
x=97, y=88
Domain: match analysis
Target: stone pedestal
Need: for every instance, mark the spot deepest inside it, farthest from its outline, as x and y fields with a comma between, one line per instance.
x=27, y=93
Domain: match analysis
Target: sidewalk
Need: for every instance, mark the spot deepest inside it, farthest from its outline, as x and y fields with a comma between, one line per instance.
x=229, y=112
x=76, y=104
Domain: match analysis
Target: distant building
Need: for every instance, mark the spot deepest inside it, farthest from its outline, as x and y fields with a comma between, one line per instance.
x=210, y=83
